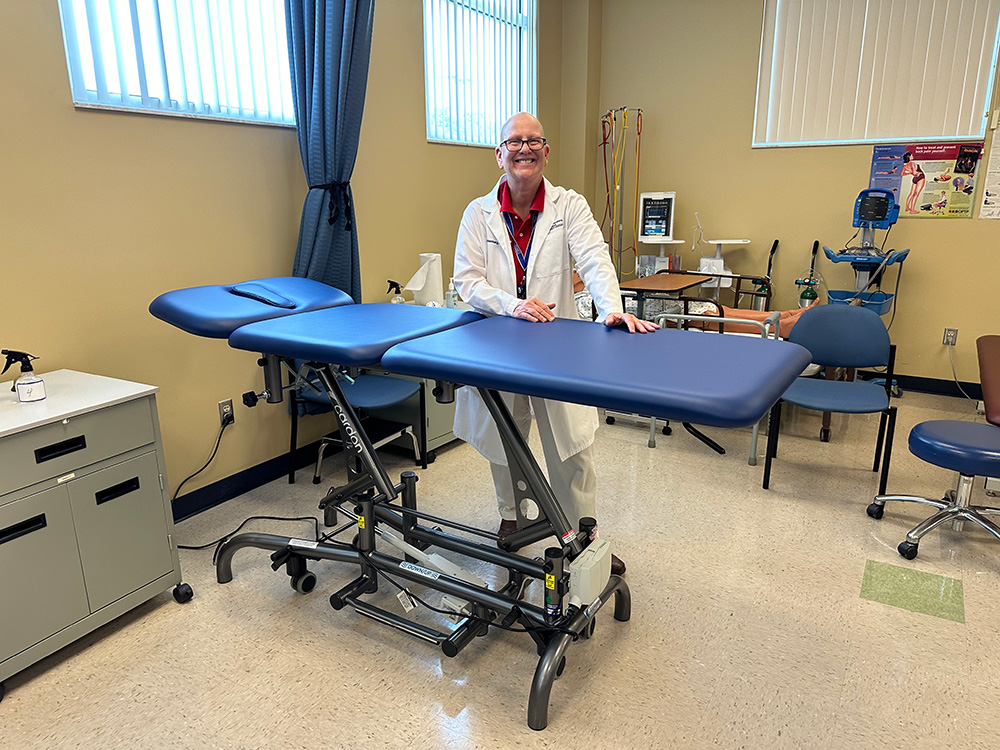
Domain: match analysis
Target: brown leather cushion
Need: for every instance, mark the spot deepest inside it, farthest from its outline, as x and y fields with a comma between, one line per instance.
x=989, y=375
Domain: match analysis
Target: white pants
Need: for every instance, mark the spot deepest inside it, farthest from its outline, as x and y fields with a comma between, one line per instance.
x=573, y=481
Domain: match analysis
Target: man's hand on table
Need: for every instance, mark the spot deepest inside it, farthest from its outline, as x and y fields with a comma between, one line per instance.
x=634, y=324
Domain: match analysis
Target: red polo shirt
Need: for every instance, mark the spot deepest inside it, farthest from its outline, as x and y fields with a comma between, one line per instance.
x=522, y=227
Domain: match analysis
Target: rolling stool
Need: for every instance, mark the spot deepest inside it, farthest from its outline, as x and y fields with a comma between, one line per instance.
x=970, y=448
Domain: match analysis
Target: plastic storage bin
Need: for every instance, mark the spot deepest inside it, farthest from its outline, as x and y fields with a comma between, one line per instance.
x=878, y=302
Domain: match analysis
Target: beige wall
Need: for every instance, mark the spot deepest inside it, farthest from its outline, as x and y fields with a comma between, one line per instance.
x=100, y=212
x=691, y=67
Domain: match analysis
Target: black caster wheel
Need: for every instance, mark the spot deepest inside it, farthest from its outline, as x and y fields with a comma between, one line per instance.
x=304, y=583
x=907, y=550
x=561, y=667
x=824, y=435
x=588, y=631
x=317, y=480
x=875, y=510
x=667, y=429
x=183, y=593
x=609, y=420
x=3, y=690
x=431, y=456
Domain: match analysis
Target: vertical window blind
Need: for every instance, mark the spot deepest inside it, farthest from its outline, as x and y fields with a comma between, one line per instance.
x=480, y=67
x=849, y=71
x=214, y=58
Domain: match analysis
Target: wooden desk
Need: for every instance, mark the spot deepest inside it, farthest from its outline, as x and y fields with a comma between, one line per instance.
x=661, y=283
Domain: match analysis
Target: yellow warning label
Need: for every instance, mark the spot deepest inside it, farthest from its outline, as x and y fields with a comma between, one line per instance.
x=361, y=522
x=550, y=581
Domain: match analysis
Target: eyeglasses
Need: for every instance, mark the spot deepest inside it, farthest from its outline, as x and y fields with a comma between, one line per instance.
x=514, y=144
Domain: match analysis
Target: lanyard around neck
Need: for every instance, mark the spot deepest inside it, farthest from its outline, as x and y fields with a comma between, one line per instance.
x=521, y=257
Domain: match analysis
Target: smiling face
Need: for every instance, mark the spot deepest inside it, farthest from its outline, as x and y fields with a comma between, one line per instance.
x=525, y=166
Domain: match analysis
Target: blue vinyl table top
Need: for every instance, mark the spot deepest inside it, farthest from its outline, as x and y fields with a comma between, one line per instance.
x=706, y=378
x=350, y=335
x=217, y=310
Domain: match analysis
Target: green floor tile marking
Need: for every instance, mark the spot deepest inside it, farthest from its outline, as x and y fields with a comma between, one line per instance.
x=914, y=590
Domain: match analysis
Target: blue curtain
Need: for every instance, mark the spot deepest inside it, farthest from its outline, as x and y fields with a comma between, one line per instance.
x=329, y=44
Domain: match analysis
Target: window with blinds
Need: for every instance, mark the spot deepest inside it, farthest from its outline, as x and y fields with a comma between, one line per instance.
x=480, y=67
x=852, y=71
x=223, y=59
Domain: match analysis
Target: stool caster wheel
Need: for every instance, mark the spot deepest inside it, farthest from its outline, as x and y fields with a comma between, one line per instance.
x=907, y=550
x=304, y=583
x=183, y=593
x=876, y=511
x=609, y=420
x=431, y=456
x=824, y=435
x=667, y=429
x=3, y=690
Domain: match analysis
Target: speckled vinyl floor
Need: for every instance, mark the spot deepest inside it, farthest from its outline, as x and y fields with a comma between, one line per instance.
x=749, y=628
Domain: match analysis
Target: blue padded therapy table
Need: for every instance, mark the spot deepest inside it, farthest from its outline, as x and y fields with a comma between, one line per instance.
x=724, y=381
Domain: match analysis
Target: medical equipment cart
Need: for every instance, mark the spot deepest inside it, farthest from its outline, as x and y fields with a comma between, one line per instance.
x=86, y=530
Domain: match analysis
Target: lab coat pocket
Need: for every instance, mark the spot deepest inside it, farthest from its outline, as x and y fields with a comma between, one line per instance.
x=553, y=257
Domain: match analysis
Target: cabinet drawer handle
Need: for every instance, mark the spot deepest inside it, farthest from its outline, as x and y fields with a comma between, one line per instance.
x=61, y=448
x=22, y=528
x=129, y=485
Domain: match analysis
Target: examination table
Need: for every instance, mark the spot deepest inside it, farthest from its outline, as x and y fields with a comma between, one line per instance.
x=724, y=381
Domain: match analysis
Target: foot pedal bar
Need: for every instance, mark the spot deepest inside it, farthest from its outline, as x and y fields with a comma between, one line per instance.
x=400, y=623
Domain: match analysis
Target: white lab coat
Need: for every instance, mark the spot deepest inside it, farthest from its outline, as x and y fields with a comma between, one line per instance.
x=565, y=231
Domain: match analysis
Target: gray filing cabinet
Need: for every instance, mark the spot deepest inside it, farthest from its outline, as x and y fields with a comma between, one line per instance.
x=86, y=530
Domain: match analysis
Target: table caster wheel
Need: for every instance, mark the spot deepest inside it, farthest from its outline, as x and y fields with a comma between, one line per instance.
x=824, y=435
x=431, y=456
x=907, y=550
x=3, y=690
x=609, y=420
x=875, y=510
x=183, y=593
x=667, y=429
x=304, y=583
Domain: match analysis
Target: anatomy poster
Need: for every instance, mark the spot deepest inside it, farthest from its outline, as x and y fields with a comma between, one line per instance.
x=928, y=179
x=990, y=208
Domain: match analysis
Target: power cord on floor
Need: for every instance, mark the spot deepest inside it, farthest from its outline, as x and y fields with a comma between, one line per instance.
x=217, y=543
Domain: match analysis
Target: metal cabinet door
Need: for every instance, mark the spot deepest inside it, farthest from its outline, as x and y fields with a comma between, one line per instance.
x=41, y=581
x=121, y=528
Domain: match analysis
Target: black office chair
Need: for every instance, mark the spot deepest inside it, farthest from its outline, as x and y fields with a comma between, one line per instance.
x=842, y=336
x=365, y=392
x=970, y=448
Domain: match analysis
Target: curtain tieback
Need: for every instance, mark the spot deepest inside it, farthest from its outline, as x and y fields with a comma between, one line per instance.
x=338, y=195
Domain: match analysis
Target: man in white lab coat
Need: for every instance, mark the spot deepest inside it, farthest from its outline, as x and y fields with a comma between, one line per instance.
x=515, y=254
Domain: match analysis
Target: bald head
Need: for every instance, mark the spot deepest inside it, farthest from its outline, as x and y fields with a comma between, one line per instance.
x=521, y=120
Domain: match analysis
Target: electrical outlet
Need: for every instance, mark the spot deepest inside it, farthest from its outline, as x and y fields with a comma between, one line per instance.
x=950, y=337
x=226, y=413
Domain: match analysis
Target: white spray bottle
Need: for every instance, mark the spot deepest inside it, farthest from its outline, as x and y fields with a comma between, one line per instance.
x=451, y=296
x=29, y=387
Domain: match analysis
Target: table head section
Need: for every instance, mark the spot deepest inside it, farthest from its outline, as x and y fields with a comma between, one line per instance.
x=217, y=310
